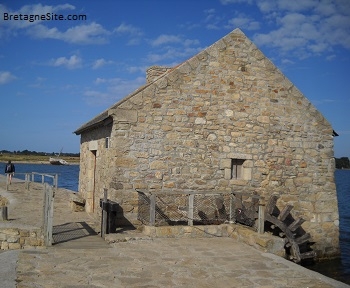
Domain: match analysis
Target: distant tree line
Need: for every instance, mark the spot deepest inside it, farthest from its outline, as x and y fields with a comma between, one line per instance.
x=27, y=152
x=342, y=162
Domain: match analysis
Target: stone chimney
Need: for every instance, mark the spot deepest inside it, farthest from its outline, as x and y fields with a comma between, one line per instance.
x=154, y=72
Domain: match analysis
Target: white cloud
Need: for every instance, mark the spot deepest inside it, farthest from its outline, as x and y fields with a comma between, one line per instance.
x=112, y=90
x=287, y=61
x=38, y=82
x=6, y=77
x=135, y=69
x=71, y=63
x=325, y=8
x=212, y=27
x=210, y=14
x=227, y=2
x=244, y=22
x=266, y=6
x=172, y=54
x=82, y=34
x=97, y=98
x=130, y=31
x=100, y=80
x=91, y=33
x=127, y=29
x=171, y=47
x=171, y=39
x=100, y=63
x=305, y=27
x=331, y=57
x=286, y=5
x=190, y=42
x=322, y=101
x=165, y=39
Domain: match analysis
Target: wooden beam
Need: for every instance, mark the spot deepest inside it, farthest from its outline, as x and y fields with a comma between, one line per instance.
x=302, y=239
x=285, y=212
x=271, y=204
x=296, y=224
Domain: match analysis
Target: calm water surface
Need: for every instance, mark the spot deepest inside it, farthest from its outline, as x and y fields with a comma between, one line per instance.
x=68, y=177
x=339, y=269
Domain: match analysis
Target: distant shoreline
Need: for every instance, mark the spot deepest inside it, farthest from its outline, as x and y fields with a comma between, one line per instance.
x=35, y=159
x=38, y=162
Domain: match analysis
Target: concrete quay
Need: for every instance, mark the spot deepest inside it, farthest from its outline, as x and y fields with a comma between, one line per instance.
x=81, y=258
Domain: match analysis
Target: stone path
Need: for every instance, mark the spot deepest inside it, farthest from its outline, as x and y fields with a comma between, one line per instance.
x=88, y=261
x=215, y=262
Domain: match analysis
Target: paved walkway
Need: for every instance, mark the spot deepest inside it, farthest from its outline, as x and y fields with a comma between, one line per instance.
x=88, y=261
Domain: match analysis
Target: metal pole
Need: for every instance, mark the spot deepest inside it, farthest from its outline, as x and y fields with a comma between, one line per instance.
x=45, y=220
x=104, y=213
x=152, y=216
x=190, y=209
x=27, y=179
x=50, y=214
x=56, y=181
x=7, y=181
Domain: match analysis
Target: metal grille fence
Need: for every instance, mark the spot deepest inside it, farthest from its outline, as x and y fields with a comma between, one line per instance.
x=171, y=208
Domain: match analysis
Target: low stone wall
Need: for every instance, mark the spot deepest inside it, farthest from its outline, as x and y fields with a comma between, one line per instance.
x=15, y=238
x=263, y=242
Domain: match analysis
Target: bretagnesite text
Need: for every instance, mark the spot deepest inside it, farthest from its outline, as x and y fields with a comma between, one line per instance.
x=42, y=17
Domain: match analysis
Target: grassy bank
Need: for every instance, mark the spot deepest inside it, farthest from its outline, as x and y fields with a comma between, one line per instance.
x=34, y=158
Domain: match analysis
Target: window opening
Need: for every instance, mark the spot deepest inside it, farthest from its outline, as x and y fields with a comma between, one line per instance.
x=236, y=168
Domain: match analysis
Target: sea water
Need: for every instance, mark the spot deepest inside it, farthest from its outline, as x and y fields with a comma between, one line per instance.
x=68, y=175
x=339, y=269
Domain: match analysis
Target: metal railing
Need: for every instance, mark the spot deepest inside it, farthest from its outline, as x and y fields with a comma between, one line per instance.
x=200, y=208
x=30, y=177
x=49, y=194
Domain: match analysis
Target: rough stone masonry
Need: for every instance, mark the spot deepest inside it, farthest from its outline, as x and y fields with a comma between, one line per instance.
x=225, y=120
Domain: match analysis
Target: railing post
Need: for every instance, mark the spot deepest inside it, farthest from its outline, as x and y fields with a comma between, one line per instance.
x=56, y=181
x=190, y=209
x=27, y=180
x=48, y=214
x=152, y=212
x=261, y=216
x=42, y=178
x=7, y=181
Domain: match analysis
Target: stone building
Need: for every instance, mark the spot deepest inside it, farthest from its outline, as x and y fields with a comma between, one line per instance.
x=226, y=119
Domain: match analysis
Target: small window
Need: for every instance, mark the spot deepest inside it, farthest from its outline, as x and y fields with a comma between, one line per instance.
x=237, y=168
x=107, y=142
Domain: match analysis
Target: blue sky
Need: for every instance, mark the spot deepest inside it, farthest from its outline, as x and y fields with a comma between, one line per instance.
x=55, y=75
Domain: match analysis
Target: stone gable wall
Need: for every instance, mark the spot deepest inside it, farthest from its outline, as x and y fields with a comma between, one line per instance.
x=228, y=102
